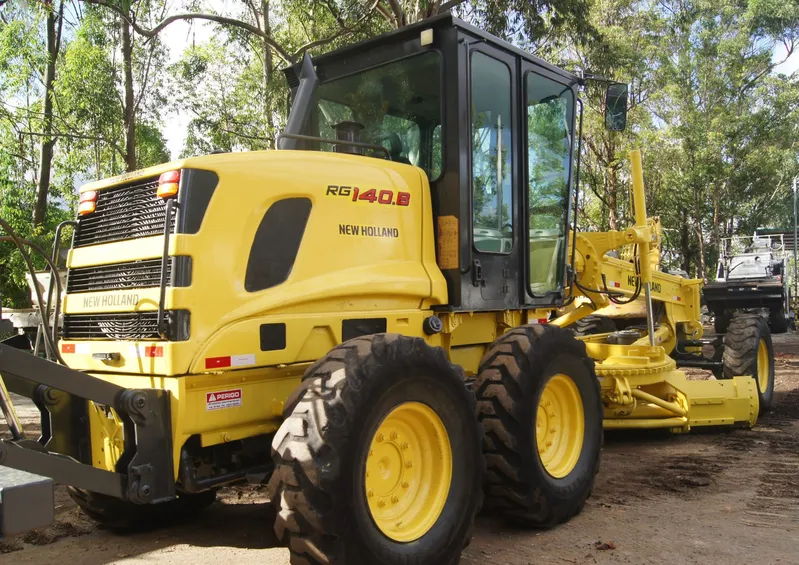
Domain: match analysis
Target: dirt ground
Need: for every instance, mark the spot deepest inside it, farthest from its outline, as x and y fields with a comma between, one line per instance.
x=729, y=497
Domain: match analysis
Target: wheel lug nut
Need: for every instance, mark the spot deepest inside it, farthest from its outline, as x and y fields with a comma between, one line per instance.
x=405, y=484
x=371, y=452
x=552, y=430
x=409, y=464
x=370, y=493
x=381, y=503
x=549, y=444
x=394, y=435
x=379, y=437
x=394, y=499
x=405, y=445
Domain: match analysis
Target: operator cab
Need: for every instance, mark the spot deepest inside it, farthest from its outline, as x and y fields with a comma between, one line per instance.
x=491, y=126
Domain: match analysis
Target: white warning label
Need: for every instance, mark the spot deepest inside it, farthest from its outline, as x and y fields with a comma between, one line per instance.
x=223, y=399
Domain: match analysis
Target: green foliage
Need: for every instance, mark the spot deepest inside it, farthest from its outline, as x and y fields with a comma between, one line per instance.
x=151, y=146
x=716, y=127
x=88, y=119
x=231, y=107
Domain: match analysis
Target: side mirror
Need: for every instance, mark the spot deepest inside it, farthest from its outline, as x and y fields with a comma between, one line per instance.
x=616, y=107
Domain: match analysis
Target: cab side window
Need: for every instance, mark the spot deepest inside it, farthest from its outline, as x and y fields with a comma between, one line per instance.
x=550, y=111
x=492, y=155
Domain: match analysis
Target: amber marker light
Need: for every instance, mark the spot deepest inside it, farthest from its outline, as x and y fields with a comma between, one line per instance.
x=88, y=202
x=168, y=184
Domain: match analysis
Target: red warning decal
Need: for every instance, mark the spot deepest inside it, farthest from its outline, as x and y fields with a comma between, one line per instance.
x=222, y=399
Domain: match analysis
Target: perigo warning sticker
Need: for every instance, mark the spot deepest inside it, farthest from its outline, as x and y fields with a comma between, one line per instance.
x=223, y=399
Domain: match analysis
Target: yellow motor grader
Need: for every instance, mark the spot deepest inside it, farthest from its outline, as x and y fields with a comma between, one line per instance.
x=360, y=318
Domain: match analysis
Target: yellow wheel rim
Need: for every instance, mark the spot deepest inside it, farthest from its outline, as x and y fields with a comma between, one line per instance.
x=560, y=426
x=763, y=368
x=408, y=472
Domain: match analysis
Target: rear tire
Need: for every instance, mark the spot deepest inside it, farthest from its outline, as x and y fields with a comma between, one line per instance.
x=747, y=346
x=333, y=468
x=125, y=516
x=594, y=324
x=515, y=374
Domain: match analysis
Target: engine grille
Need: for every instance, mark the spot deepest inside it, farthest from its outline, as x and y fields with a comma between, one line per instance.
x=124, y=212
x=127, y=326
x=120, y=276
x=124, y=325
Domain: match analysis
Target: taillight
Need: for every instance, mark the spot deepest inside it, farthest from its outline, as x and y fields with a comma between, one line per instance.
x=168, y=184
x=88, y=202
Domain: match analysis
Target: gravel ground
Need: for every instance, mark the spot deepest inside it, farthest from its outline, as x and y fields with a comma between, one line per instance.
x=729, y=497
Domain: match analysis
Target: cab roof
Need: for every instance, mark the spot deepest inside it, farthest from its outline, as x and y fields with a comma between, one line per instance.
x=441, y=21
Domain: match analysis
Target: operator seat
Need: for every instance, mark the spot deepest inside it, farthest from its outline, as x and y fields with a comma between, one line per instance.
x=395, y=149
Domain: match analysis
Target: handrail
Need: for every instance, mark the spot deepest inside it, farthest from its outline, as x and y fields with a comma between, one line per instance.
x=334, y=142
x=160, y=323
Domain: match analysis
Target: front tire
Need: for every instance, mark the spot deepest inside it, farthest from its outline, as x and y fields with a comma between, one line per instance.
x=378, y=459
x=539, y=400
x=748, y=351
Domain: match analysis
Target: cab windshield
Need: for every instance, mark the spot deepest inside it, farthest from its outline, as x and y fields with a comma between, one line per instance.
x=396, y=105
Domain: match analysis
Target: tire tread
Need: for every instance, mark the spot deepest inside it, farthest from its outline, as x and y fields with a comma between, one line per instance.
x=305, y=449
x=502, y=370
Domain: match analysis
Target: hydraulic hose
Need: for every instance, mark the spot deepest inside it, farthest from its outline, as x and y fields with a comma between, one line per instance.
x=50, y=346
x=56, y=249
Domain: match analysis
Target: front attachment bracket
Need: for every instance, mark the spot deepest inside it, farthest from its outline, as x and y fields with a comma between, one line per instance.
x=145, y=471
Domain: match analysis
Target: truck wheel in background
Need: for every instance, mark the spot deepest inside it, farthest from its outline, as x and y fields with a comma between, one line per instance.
x=721, y=321
x=539, y=400
x=378, y=459
x=748, y=351
x=778, y=321
x=123, y=515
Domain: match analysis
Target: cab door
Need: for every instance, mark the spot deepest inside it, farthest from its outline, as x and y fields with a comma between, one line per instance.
x=548, y=146
x=493, y=221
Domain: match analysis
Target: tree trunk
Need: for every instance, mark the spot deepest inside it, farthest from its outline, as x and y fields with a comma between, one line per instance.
x=685, y=242
x=715, y=234
x=613, y=219
x=700, y=271
x=130, y=105
x=699, y=233
x=268, y=70
x=48, y=141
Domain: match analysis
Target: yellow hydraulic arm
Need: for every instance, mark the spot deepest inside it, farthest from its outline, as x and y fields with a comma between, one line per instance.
x=641, y=384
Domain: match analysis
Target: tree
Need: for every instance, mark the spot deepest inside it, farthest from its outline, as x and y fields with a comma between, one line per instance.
x=141, y=65
x=250, y=31
x=720, y=110
x=55, y=27
x=716, y=127
x=624, y=50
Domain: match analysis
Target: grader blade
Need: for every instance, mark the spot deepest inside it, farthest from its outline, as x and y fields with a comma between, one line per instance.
x=681, y=404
